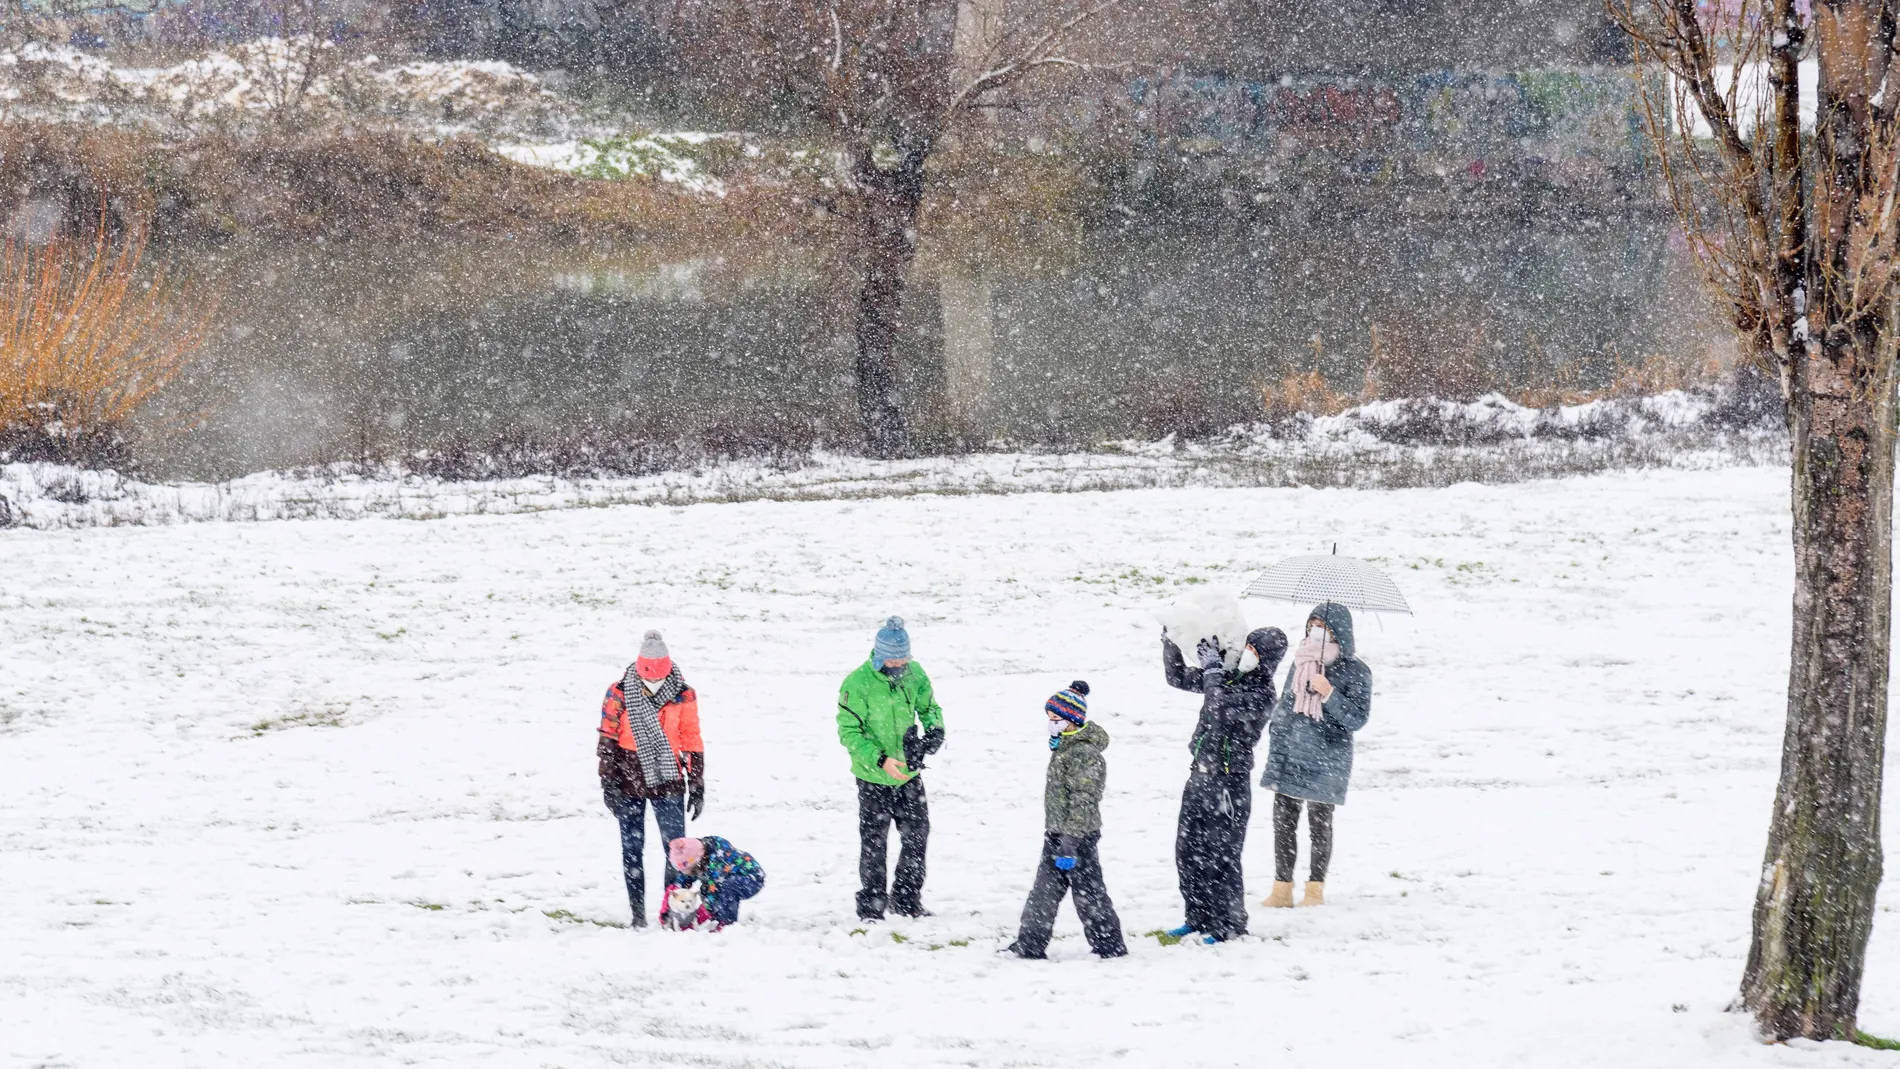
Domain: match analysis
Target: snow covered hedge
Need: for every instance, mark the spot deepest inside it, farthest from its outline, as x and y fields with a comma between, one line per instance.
x=1386, y=444
x=275, y=76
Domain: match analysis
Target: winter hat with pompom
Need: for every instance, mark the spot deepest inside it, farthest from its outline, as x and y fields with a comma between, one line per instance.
x=653, y=664
x=685, y=854
x=1070, y=703
x=893, y=642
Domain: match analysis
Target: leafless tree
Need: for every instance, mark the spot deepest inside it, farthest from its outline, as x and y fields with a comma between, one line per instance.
x=1796, y=228
x=890, y=79
x=287, y=74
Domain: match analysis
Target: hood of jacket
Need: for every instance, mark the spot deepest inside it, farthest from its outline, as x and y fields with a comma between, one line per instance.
x=1092, y=734
x=1269, y=645
x=1338, y=620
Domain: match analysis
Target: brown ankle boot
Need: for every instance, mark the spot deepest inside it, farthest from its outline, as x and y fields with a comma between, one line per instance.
x=1315, y=894
x=1282, y=896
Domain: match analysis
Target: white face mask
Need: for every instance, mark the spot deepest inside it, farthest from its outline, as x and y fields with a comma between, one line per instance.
x=1249, y=660
x=1057, y=727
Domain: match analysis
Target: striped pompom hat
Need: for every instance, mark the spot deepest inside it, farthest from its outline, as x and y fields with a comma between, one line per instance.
x=1071, y=703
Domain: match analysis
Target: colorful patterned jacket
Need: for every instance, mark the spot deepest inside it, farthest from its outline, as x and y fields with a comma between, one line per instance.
x=727, y=876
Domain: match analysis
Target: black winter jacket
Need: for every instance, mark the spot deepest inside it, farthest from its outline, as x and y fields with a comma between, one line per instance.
x=1234, y=708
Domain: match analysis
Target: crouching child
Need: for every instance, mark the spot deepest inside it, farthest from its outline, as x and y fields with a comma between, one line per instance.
x=725, y=876
x=1072, y=823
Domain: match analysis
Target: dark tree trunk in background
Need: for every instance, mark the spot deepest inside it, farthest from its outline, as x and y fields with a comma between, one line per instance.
x=889, y=203
x=891, y=79
x=1814, y=909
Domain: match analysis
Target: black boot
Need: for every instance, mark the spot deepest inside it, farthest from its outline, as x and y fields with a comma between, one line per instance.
x=910, y=909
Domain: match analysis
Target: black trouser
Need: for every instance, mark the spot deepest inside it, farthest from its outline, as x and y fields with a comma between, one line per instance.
x=1286, y=845
x=878, y=808
x=1092, y=904
x=631, y=812
x=1214, y=811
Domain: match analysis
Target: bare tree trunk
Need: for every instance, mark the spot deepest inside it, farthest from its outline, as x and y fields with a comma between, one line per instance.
x=979, y=26
x=1814, y=909
x=887, y=236
x=1798, y=234
x=969, y=347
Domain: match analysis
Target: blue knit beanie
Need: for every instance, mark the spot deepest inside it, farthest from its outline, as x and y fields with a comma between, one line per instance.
x=893, y=642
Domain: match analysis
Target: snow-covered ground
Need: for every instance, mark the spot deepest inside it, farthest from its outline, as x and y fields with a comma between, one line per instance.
x=322, y=793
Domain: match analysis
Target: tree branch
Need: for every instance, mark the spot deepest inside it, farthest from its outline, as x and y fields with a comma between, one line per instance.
x=1041, y=52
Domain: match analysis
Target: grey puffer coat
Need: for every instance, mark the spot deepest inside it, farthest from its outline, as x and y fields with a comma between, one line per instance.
x=1312, y=759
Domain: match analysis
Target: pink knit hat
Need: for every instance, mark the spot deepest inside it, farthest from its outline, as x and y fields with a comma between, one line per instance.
x=685, y=853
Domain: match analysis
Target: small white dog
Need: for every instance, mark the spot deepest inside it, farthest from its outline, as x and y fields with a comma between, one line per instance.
x=682, y=907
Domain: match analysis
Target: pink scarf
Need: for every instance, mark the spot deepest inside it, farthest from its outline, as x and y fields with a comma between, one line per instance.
x=1310, y=659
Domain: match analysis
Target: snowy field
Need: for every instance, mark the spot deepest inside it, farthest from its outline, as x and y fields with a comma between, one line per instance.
x=322, y=792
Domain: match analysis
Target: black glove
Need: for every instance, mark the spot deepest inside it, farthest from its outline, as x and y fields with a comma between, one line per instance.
x=1209, y=653
x=696, y=786
x=933, y=740
x=915, y=748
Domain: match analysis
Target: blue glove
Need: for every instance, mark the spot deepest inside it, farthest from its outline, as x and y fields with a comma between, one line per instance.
x=1065, y=863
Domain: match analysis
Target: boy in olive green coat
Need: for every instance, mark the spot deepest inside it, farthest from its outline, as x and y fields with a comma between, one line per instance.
x=1072, y=829
x=880, y=708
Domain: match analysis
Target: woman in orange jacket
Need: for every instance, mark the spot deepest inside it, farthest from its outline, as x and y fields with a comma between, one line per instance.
x=650, y=753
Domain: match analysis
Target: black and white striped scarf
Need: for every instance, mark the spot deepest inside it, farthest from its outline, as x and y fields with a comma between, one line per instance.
x=657, y=760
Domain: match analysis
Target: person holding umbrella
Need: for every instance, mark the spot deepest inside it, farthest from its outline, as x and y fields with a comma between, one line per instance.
x=1218, y=799
x=1327, y=697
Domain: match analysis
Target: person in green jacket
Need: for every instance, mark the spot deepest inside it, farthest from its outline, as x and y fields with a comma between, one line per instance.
x=880, y=709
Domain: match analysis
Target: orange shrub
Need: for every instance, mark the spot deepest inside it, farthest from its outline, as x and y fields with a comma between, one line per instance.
x=1303, y=393
x=86, y=340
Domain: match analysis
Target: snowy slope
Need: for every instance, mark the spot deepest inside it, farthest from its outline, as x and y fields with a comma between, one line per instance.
x=322, y=793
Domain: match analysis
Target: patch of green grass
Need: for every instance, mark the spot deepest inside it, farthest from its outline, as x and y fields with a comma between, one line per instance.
x=959, y=942
x=437, y=906
x=859, y=931
x=570, y=917
x=1868, y=1039
x=899, y=937
x=330, y=716
x=1165, y=939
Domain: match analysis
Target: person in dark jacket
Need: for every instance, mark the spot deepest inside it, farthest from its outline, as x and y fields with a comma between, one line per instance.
x=726, y=876
x=649, y=752
x=1328, y=696
x=1218, y=798
x=1072, y=830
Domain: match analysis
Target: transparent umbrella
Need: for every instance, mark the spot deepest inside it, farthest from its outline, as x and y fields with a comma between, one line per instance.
x=1316, y=578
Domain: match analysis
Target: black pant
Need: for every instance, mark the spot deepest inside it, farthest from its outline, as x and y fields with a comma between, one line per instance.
x=1286, y=845
x=1214, y=812
x=1092, y=904
x=878, y=808
x=631, y=812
